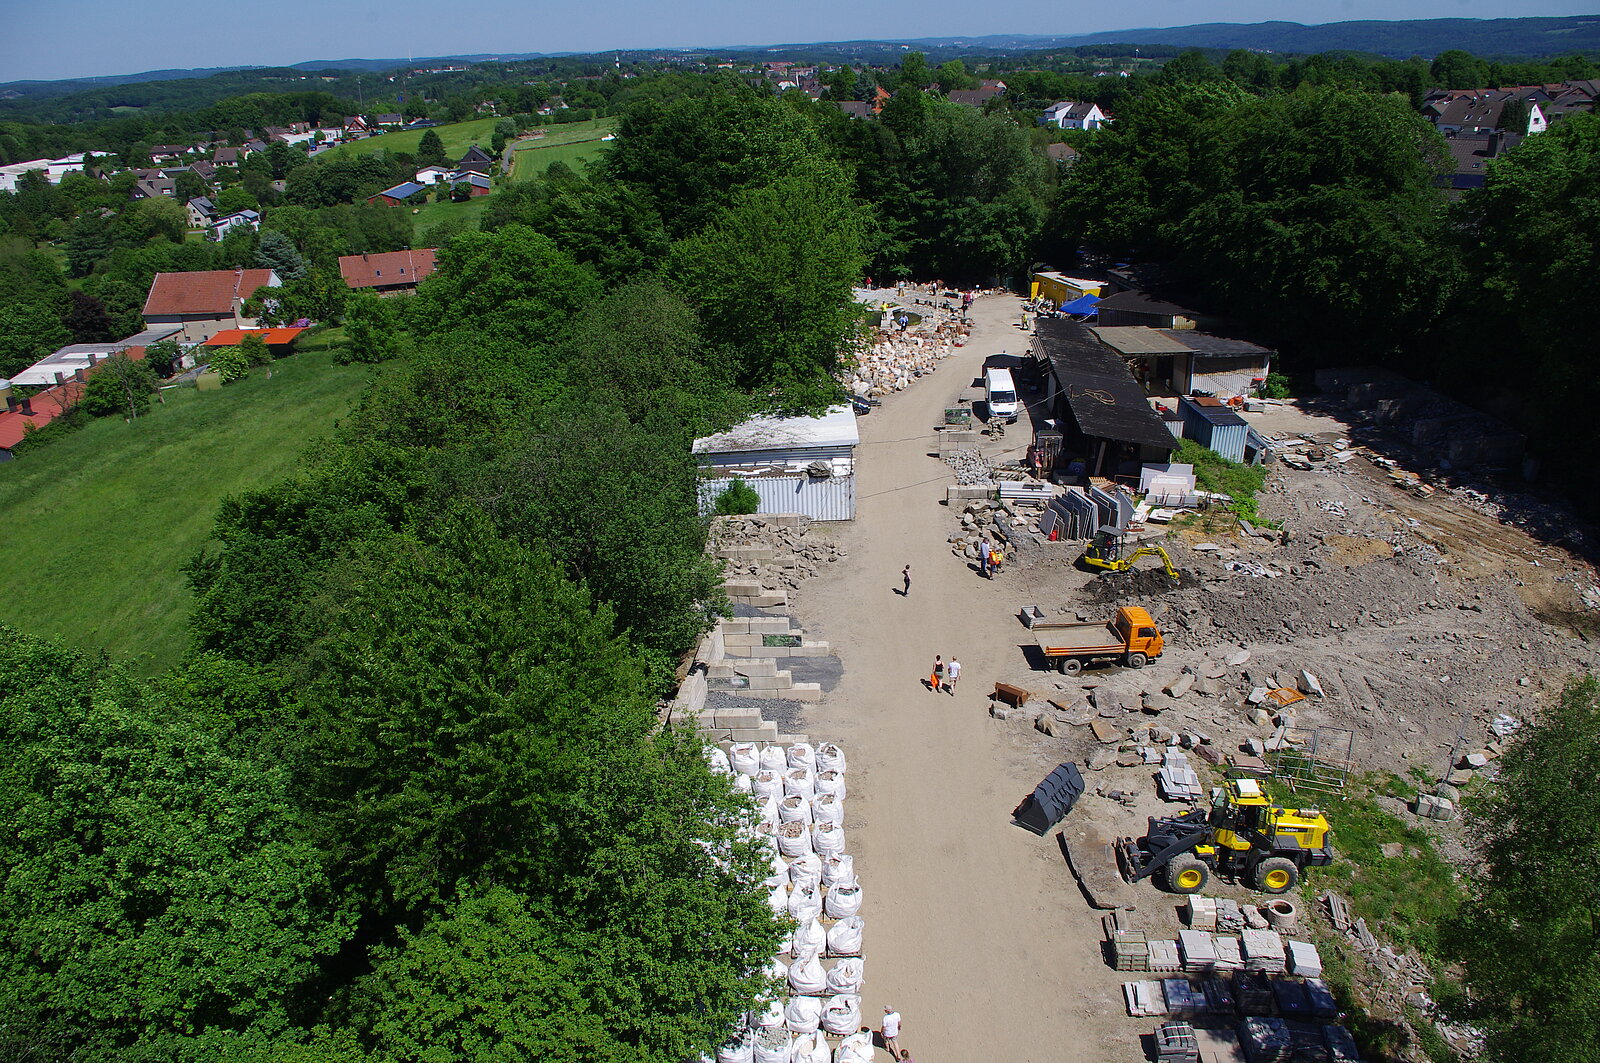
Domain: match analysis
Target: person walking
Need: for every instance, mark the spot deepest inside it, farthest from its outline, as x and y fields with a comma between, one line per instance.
x=983, y=556
x=952, y=672
x=905, y=574
x=890, y=1031
x=937, y=679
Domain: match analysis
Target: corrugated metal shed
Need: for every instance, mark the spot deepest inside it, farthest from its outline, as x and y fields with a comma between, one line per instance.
x=794, y=464
x=1214, y=426
x=1139, y=339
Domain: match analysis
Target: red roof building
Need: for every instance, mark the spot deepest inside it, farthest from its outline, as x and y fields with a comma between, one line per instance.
x=204, y=303
x=272, y=337
x=390, y=272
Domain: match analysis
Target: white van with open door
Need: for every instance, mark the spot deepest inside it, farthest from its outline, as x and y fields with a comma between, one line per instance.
x=1001, y=392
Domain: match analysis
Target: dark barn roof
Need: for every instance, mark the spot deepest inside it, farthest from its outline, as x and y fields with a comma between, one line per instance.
x=1104, y=399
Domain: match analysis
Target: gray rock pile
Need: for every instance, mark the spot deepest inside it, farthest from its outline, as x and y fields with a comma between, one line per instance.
x=778, y=552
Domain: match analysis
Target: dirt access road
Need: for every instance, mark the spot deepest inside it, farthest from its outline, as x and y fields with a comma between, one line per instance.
x=977, y=931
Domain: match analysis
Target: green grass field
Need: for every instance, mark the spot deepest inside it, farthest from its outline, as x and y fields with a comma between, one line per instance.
x=457, y=137
x=96, y=525
x=434, y=212
x=572, y=144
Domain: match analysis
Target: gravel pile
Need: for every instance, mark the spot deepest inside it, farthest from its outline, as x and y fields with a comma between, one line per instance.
x=970, y=467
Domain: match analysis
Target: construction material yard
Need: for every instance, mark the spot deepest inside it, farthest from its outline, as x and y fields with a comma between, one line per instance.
x=1420, y=629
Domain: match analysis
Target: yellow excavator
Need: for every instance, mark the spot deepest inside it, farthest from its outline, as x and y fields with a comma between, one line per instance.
x=1104, y=554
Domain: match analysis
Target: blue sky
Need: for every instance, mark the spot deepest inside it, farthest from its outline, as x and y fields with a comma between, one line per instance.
x=47, y=39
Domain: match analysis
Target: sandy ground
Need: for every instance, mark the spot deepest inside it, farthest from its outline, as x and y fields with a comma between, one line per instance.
x=978, y=933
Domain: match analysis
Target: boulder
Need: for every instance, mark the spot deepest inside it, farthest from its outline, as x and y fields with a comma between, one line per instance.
x=1180, y=686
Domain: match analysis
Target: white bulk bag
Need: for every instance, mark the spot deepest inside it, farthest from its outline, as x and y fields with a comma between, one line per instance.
x=778, y=899
x=809, y=940
x=857, y=1048
x=808, y=976
x=773, y=1045
x=744, y=758
x=769, y=1019
x=812, y=1047
x=794, y=839
x=803, y=1015
x=794, y=809
x=805, y=904
x=843, y=901
x=830, y=782
x=778, y=971
x=767, y=809
x=844, y=937
x=838, y=869
x=842, y=1015
x=824, y=808
x=718, y=760
x=773, y=759
x=767, y=784
x=801, y=781
x=827, y=839
x=801, y=755
x=845, y=976
x=806, y=871
x=742, y=783
x=779, y=865
x=830, y=758
x=740, y=1048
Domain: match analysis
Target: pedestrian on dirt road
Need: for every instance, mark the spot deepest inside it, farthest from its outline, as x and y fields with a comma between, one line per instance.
x=983, y=557
x=890, y=1031
x=906, y=575
x=952, y=672
x=937, y=678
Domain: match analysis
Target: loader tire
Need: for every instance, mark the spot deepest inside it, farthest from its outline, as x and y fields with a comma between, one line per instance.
x=1276, y=875
x=1186, y=874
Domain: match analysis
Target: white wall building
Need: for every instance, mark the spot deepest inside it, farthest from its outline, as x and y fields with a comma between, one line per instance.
x=795, y=464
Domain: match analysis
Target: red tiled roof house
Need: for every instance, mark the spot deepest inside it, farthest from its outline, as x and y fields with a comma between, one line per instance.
x=388, y=273
x=204, y=303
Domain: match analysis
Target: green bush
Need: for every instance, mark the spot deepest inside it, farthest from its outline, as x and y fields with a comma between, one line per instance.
x=737, y=499
x=1219, y=475
x=231, y=364
x=1276, y=387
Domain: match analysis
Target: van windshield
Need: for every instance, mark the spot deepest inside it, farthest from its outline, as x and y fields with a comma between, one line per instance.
x=1000, y=397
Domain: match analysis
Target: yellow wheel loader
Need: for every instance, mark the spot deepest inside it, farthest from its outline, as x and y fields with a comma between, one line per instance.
x=1243, y=836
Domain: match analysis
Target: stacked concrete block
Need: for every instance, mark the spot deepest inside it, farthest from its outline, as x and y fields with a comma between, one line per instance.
x=766, y=636
x=754, y=595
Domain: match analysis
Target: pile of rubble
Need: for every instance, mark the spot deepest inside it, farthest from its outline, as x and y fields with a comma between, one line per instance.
x=891, y=361
x=970, y=467
x=777, y=551
x=996, y=522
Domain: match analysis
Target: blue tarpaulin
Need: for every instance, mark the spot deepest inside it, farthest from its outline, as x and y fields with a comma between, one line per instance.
x=1083, y=305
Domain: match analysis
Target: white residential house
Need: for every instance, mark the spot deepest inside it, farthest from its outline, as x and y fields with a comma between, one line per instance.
x=432, y=175
x=229, y=222
x=1072, y=115
x=201, y=212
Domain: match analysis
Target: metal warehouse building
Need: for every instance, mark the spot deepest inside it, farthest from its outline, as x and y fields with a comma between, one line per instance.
x=801, y=465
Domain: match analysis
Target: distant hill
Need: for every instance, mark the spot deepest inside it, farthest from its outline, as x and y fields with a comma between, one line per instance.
x=1520, y=37
x=1504, y=37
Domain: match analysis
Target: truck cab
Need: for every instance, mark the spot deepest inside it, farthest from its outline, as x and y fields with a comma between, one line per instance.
x=1139, y=632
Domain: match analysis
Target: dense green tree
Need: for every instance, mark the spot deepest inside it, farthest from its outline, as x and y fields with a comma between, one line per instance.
x=1514, y=116
x=693, y=153
x=158, y=899
x=88, y=320
x=1455, y=69
x=771, y=278
x=430, y=151
x=119, y=386
x=512, y=283
x=953, y=75
x=28, y=332
x=276, y=252
x=88, y=241
x=1527, y=937
x=371, y=324
x=162, y=357
x=235, y=198
x=914, y=75
x=188, y=185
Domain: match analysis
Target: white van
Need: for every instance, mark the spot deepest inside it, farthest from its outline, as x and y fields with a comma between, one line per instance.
x=1001, y=392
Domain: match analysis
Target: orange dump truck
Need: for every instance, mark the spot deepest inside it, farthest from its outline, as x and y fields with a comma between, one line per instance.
x=1131, y=637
